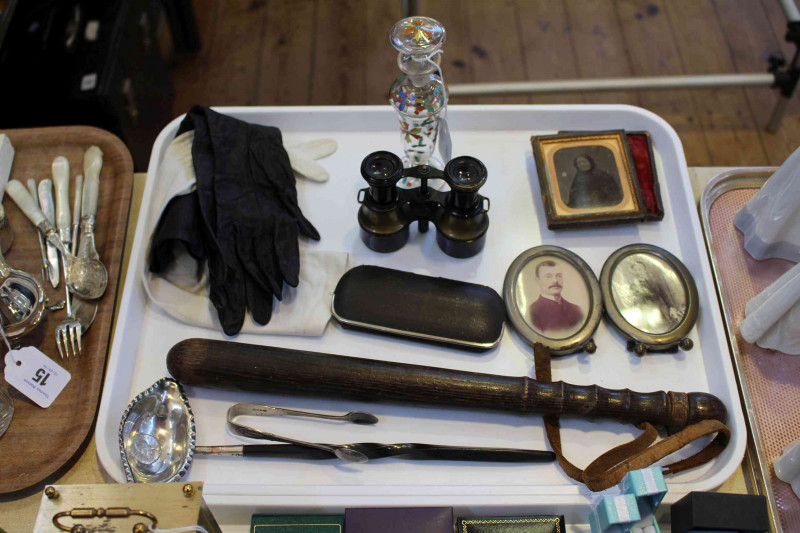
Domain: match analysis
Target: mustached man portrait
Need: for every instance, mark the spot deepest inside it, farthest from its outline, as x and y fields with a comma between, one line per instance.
x=551, y=312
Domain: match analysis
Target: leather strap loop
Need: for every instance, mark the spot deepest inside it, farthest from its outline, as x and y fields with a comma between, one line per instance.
x=609, y=468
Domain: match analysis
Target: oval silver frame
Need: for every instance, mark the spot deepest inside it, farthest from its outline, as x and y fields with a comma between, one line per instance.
x=582, y=339
x=642, y=341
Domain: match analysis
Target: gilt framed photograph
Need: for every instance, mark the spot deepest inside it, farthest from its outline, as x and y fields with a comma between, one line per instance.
x=587, y=179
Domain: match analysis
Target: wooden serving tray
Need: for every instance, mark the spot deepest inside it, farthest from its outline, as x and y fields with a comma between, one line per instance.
x=40, y=442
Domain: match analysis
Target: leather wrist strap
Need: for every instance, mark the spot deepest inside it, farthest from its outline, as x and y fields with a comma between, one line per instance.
x=609, y=468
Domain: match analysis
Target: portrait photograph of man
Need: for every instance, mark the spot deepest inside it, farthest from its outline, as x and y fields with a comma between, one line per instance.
x=556, y=297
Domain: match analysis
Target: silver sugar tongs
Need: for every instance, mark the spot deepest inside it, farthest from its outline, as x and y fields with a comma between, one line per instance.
x=253, y=409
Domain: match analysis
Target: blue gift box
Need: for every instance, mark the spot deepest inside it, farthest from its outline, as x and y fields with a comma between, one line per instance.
x=646, y=485
x=642, y=492
x=649, y=488
x=614, y=514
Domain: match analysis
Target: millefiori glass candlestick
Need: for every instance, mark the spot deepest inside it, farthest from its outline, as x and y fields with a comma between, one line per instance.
x=418, y=95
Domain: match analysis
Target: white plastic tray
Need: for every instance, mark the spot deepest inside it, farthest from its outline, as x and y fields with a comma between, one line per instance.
x=499, y=136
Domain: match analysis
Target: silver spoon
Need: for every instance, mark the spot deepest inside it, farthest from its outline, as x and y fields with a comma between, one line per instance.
x=85, y=210
x=87, y=278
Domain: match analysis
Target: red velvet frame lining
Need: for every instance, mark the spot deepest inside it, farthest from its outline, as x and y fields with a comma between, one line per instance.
x=640, y=153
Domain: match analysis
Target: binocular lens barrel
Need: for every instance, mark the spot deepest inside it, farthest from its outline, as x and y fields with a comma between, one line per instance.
x=464, y=200
x=380, y=169
x=382, y=195
x=467, y=175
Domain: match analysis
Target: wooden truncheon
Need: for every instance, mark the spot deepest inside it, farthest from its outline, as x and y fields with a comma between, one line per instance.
x=235, y=366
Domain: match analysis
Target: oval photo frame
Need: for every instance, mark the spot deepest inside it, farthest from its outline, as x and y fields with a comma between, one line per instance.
x=642, y=300
x=535, y=293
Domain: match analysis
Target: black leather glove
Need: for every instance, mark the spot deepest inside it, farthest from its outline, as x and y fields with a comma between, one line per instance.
x=273, y=174
x=179, y=226
x=248, y=215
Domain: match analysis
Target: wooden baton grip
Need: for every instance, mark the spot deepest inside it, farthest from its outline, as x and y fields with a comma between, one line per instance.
x=248, y=367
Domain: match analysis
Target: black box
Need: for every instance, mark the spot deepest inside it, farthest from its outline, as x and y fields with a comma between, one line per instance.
x=720, y=512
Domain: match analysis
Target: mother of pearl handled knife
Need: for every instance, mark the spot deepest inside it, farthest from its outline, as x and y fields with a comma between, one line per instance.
x=45, y=264
x=61, y=182
x=60, y=170
x=76, y=212
x=49, y=210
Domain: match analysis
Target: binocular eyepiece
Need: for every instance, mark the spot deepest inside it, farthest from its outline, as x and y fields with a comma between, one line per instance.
x=466, y=175
x=459, y=214
x=381, y=170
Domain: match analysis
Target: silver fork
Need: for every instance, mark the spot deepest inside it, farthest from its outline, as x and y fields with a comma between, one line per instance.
x=68, y=334
x=69, y=331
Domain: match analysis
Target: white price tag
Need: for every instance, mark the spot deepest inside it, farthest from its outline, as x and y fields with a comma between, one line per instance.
x=35, y=375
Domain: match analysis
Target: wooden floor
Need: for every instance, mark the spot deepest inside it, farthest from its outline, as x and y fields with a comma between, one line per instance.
x=322, y=52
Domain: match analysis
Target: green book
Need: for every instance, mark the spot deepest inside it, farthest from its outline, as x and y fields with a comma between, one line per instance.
x=297, y=523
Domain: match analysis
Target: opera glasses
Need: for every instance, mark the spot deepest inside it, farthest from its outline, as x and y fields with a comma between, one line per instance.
x=387, y=211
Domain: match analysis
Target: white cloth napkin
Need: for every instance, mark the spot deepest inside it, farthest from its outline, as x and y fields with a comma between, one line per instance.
x=183, y=292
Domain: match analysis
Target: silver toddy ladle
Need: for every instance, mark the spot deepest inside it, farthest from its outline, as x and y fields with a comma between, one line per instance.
x=157, y=434
x=87, y=278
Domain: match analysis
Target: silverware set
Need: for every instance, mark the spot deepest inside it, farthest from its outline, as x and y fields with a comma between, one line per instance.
x=67, y=241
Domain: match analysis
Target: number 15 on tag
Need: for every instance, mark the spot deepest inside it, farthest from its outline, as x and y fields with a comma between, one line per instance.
x=35, y=375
